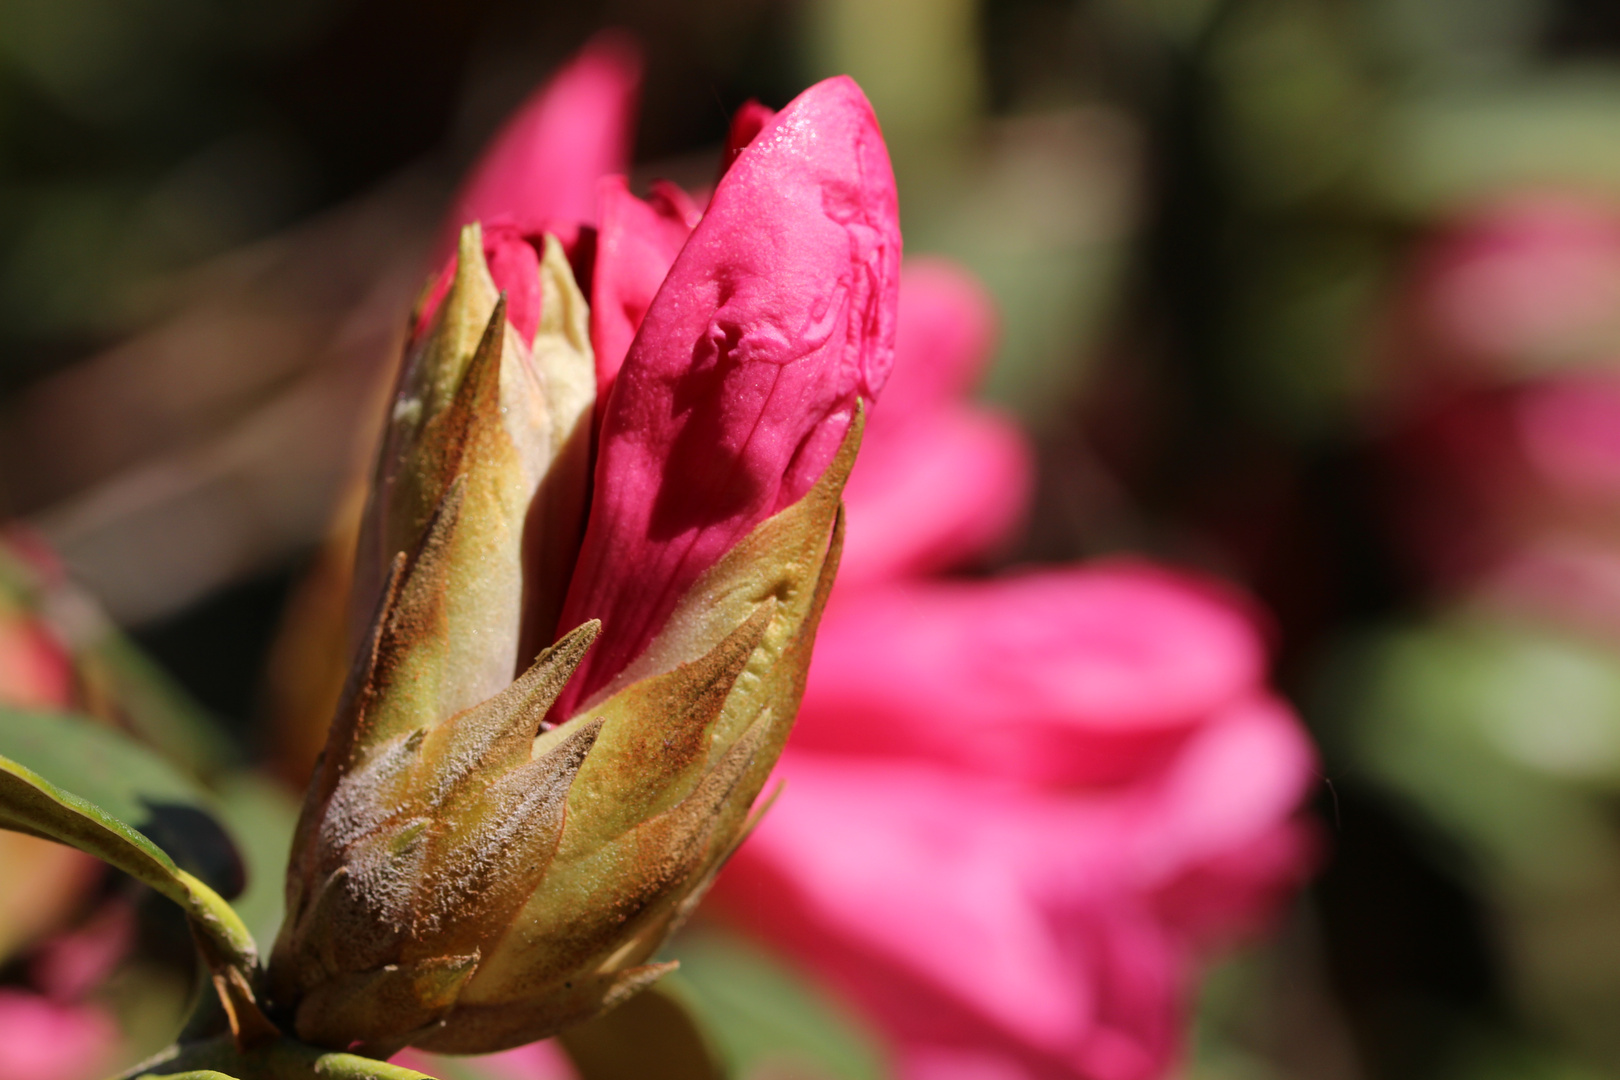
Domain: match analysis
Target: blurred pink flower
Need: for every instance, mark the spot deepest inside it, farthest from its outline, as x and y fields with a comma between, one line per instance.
x=1019, y=812
x=1079, y=675
x=1485, y=473
x=70, y=965
x=35, y=670
x=541, y=169
x=43, y=1040
x=1502, y=407
x=940, y=480
x=1523, y=284
x=36, y=664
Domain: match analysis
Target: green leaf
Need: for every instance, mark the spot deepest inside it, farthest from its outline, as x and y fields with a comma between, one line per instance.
x=651, y=1034
x=281, y=1059
x=261, y=815
x=128, y=782
x=446, y=1067
x=764, y=1016
x=141, y=788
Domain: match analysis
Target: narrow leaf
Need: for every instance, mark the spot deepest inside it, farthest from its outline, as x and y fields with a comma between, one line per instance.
x=130, y=782
x=765, y=1017
x=652, y=1034
x=33, y=804
x=281, y=1059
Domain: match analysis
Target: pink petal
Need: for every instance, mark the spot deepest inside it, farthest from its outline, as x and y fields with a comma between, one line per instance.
x=991, y=928
x=515, y=267
x=70, y=965
x=921, y=894
x=746, y=122
x=1245, y=770
x=35, y=670
x=636, y=244
x=947, y=487
x=1017, y=811
x=944, y=337
x=899, y=873
x=544, y=163
x=777, y=317
x=1531, y=279
x=1078, y=675
x=1570, y=428
x=41, y=1040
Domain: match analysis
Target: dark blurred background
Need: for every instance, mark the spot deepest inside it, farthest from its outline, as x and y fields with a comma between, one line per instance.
x=1270, y=271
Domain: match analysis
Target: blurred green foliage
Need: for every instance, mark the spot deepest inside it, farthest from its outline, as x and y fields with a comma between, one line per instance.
x=1198, y=218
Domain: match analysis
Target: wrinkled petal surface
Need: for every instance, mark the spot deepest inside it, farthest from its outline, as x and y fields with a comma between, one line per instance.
x=775, y=320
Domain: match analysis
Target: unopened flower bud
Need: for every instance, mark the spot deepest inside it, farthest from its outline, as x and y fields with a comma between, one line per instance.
x=500, y=836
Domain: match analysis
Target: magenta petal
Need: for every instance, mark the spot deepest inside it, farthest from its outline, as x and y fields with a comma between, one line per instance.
x=636, y=243
x=777, y=317
x=946, y=330
x=986, y=930
x=746, y=123
x=544, y=163
x=44, y=1040
x=944, y=488
x=995, y=927
x=515, y=267
x=1072, y=676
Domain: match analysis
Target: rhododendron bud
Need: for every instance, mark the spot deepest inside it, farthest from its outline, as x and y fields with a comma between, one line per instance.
x=499, y=835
